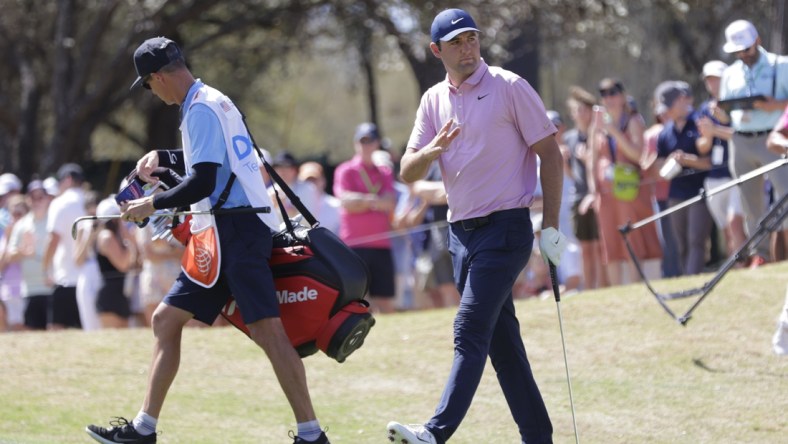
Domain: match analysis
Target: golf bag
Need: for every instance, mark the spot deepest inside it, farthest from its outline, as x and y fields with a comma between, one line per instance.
x=320, y=283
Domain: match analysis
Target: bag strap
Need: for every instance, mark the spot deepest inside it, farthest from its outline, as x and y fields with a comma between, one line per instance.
x=225, y=193
x=294, y=199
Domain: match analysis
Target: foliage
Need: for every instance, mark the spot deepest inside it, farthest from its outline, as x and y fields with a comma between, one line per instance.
x=66, y=63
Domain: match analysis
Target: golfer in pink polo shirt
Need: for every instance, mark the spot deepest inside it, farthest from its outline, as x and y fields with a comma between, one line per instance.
x=485, y=126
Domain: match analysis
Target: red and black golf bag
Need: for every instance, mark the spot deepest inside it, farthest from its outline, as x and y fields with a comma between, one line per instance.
x=320, y=283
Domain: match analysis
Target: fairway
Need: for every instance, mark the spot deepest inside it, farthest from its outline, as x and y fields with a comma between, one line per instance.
x=637, y=375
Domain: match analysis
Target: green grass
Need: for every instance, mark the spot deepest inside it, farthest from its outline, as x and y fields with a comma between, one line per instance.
x=638, y=376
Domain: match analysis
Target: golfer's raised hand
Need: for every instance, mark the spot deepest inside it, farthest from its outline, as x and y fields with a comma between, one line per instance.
x=146, y=165
x=440, y=144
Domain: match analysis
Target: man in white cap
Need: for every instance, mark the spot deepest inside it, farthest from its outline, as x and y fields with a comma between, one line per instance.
x=725, y=207
x=755, y=72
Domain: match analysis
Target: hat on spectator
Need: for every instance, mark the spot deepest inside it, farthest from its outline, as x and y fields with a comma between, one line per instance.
x=8, y=183
x=713, y=68
x=283, y=158
x=668, y=92
x=555, y=117
x=739, y=36
x=35, y=185
x=310, y=170
x=70, y=170
x=382, y=158
x=366, y=129
x=152, y=55
x=51, y=186
x=451, y=23
x=108, y=207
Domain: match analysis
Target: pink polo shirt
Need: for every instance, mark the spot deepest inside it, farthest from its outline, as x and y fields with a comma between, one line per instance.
x=356, y=229
x=489, y=167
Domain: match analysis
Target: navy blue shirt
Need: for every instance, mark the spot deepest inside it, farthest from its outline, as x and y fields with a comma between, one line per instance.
x=690, y=181
x=719, y=162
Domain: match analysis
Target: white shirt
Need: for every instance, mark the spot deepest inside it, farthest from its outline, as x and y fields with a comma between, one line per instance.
x=63, y=211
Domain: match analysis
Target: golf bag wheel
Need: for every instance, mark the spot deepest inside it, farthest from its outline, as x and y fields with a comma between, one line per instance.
x=345, y=331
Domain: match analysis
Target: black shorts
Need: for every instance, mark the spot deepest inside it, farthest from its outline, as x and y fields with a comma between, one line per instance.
x=381, y=271
x=110, y=298
x=63, y=308
x=246, y=244
x=36, y=309
x=585, y=225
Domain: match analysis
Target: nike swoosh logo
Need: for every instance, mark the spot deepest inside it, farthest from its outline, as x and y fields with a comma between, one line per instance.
x=481, y=97
x=116, y=438
x=556, y=242
x=454, y=22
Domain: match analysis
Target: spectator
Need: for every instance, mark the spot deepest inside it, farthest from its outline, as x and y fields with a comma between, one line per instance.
x=670, y=255
x=287, y=167
x=437, y=276
x=59, y=264
x=584, y=219
x=12, y=309
x=89, y=280
x=116, y=253
x=617, y=143
x=725, y=207
x=27, y=246
x=326, y=209
x=677, y=142
x=161, y=264
x=778, y=144
x=10, y=185
x=368, y=199
x=485, y=126
x=755, y=72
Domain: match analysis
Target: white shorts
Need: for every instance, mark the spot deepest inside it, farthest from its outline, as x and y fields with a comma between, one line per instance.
x=725, y=204
x=15, y=311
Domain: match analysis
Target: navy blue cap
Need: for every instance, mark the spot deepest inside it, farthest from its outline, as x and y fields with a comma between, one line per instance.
x=366, y=129
x=450, y=23
x=152, y=55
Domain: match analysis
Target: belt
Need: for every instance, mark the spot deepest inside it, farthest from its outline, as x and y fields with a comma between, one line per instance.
x=474, y=223
x=753, y=133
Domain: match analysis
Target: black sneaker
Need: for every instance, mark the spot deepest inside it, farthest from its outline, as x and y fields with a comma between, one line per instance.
x=322, y=439
x=120, y=432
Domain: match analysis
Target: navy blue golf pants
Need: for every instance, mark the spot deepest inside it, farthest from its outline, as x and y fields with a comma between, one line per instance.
x=488, y=254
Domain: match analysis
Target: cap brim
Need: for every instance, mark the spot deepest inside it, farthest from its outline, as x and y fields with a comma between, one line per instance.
x=731, y=47
x=136, y=83
x=457, y=32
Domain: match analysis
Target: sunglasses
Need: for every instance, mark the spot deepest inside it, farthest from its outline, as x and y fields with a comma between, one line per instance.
x=367, y=140
x=146, y=81
x=610, y=92
x=744, y=51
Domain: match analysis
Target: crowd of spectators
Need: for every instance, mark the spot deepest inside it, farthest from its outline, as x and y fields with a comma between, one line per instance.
x=618, y=169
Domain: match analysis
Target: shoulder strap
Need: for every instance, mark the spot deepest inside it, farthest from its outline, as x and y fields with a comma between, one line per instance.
x=294, y=199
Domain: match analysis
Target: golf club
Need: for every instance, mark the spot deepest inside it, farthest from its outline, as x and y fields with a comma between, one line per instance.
x=557, y=293
x=239, y=210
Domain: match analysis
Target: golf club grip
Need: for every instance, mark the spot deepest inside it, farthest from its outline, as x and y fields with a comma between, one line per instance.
x=554, y=280
x=242, y=210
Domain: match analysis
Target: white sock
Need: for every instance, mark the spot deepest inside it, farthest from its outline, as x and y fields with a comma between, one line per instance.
x=144, y=423
x=310, y=430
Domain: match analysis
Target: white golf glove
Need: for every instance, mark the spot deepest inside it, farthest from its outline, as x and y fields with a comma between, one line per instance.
x=551, y=244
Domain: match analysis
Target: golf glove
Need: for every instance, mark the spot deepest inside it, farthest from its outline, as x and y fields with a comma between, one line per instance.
x=551, y=244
